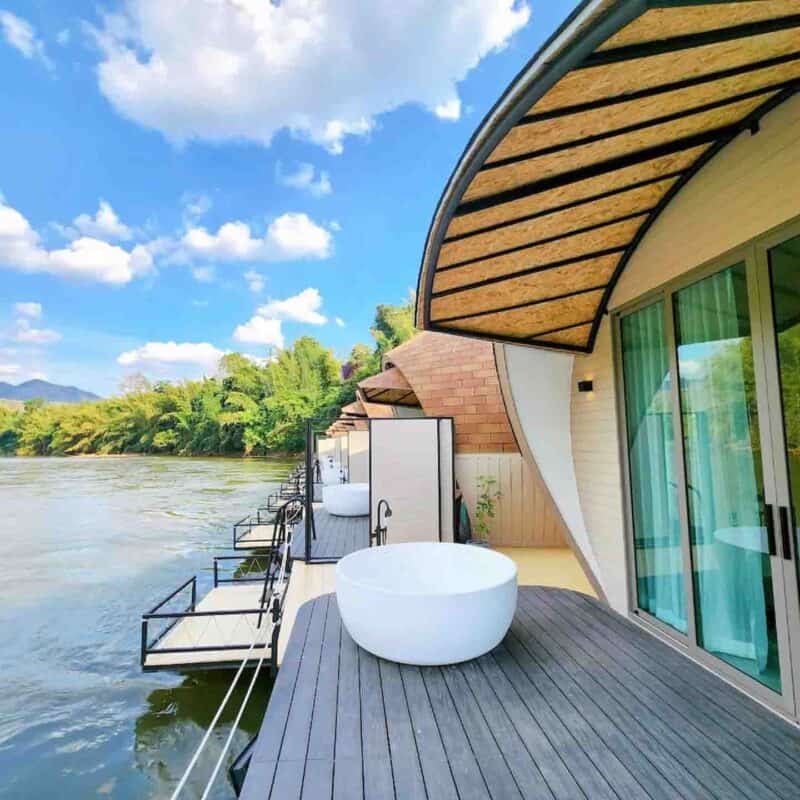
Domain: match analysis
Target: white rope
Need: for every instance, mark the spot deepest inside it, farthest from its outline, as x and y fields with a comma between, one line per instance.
x=207, y=736
x=233, y=730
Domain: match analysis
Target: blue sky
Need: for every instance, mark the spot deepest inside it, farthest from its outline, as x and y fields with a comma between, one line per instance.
x=179, y=183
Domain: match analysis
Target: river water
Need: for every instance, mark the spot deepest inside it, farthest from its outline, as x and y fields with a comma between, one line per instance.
x=87, y=545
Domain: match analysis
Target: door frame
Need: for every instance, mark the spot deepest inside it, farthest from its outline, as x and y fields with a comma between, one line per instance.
x=786, y=592
x=780, y=465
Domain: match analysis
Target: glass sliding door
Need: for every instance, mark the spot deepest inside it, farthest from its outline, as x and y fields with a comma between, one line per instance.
x=658, y=558
x=729, y=524
x=784, y=268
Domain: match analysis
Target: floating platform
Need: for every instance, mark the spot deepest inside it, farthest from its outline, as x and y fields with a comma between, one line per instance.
x=217, y=631
x=253, y=535
x=576, y=701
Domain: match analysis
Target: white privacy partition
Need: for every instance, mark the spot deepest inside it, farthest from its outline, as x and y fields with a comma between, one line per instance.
x=326, y=446
x=411, y=467
x=358, y=456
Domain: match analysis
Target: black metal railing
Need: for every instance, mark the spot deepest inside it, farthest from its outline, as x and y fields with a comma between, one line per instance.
x=156, y=613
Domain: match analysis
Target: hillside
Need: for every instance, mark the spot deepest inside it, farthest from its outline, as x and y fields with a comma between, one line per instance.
x=50, y=392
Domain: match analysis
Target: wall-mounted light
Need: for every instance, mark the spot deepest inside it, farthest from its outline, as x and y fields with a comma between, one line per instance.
x=585, y=386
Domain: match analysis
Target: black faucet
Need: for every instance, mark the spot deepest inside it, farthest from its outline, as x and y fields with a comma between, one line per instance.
x=379, y=534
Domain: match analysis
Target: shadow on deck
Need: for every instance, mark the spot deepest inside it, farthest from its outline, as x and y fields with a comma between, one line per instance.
x=577, y=702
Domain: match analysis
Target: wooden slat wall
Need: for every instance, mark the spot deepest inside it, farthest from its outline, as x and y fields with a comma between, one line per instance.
x=526, y=515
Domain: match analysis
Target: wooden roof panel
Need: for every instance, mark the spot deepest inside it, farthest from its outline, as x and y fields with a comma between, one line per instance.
x=625, y=77
x=526, y=289
x=537, y=168
x=595, y=137
x=616, y=235
x=542, y=133
x=571, y=336
x=685, y=20
x=529, y=321
x=557, y=223
x=582, y=191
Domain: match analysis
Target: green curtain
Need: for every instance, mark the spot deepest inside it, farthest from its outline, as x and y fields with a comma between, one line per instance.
x=722, y=456
x=651, y=455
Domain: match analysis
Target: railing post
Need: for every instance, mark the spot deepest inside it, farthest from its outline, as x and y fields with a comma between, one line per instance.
x=309, y=485
x=194, y=588
x=143, y=653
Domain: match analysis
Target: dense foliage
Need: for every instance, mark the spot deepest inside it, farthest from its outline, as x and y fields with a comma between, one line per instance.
x=248, y=408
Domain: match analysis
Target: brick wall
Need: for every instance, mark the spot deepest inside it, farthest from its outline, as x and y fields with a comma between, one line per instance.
x=457, y=377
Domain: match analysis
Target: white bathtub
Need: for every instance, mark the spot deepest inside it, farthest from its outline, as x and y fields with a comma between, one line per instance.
x=427, y=602
x=346, y=499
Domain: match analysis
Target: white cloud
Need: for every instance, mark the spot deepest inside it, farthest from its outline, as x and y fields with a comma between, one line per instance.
x=21, y=35
x=264, y=327
x=288, y=238
x=30, y=310
x=302, y=307
x=259, y=330
x=85, y=258
x=63, y=37
x=305, y=178
x=450, y=110
x=200, y=303
x=244, y=70
x=9, y=370
x=255, y=281
x=340, y=322
x=203, y=274
x=105, y=224
x=28, y=335
x=160, y=354
x=24, y=313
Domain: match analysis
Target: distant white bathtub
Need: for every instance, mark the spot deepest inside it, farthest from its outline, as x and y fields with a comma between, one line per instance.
x=427, y=602
x=346, y=499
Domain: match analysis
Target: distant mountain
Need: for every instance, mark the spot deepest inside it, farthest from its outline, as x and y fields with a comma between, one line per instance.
x=50, y=392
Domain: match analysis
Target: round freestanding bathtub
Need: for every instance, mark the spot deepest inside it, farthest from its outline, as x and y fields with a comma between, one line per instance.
x=346, y=499
x=426, y=603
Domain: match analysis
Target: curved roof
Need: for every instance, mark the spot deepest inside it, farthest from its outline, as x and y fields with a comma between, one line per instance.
x=457, y=377
x=389, y=386
x=620, y=108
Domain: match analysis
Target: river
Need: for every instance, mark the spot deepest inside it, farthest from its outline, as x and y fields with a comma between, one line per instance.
x=87, y=545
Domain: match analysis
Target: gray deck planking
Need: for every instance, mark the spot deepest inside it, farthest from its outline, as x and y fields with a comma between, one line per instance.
x=577, y=702
x=336, y=536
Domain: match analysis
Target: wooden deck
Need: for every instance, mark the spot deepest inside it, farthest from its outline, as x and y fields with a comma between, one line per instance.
x=577, y=702
x=336, y=536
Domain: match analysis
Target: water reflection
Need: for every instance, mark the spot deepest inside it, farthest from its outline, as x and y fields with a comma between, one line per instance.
x=176, y=720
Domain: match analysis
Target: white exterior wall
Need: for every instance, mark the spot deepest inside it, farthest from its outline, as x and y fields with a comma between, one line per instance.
x=540, y=387
x=595, y=453
x=753, y=185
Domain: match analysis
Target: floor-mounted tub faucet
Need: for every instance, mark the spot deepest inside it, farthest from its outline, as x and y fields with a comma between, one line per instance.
x=379, y=534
